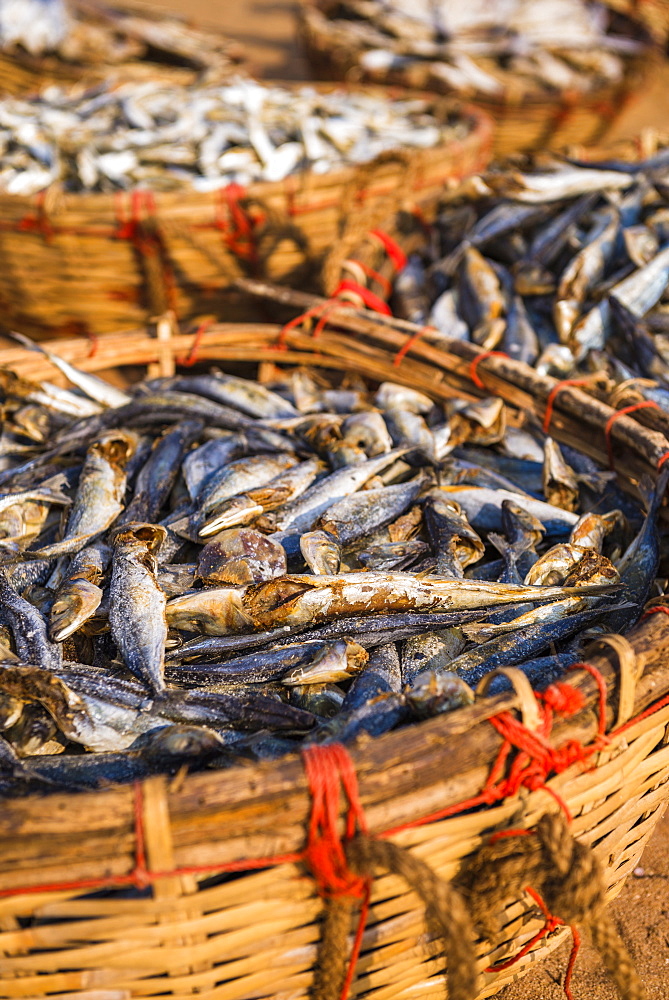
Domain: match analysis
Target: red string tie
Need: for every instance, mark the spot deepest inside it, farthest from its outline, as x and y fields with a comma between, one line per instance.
x=140, y=874
x=323, y=310
x=661, y=460
x=551, y=923
x=369, y=299
x=393, y=249
x=331, y=306
x=236, y=224
x=410, y=341
x=537, y=758
x=95, y=343
x=127, y=226
x=621, y=413
x=601, y=687
x=553, y=393
x=295, y=322
x=39, y=222
x=147, y=242
x=563, y=698
x=473, y=372
x=329, y=768
x=502, y=834
x=657, y=609
x=381, y=280
x=187, y=360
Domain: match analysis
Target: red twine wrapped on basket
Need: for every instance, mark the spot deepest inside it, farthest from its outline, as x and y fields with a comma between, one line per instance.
x=329, y=770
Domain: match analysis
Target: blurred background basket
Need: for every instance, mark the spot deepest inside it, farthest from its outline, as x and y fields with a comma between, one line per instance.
x=525, y=119
x=108, y=261
x=122, y=892
x=653, y=13
x=128, y=42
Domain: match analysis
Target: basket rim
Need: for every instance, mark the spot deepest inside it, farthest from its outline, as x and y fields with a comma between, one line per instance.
x=54, y=200
x=315, y=36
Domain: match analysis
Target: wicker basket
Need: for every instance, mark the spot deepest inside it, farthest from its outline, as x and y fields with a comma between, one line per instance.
x=523, y=120
x=118, y=893
x=126, y=42
x=653, y=13
x=106, y=261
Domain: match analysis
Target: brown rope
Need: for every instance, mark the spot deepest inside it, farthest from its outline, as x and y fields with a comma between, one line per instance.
x=568, y=877
x=615, y=958
x=445, y=915
x=332, y=949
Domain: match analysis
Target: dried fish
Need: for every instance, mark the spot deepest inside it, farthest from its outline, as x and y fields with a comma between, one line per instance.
x=164, y=137
x=478, y=47
x=161, y=643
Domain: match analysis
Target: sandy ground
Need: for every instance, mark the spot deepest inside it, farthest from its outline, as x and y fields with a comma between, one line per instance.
x=267, y=30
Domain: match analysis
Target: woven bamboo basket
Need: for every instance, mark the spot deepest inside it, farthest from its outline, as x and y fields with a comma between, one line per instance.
x=653, y=13
x=524, y=120
x=127, y=42
x=107, y=261
x=194, y=885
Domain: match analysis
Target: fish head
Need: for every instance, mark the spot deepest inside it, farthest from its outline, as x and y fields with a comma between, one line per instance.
x=77, y=603
x=337, y=661
x=408, y=525
x=34, y=728
x=231, y=514
x=13, y=384
x=138, y=533
x=531, y=278
x=592, y=568
x=11, y=709
x=33, y=422
x=116, y=447
x=367, y=431
x=391, y=395
x=178, y=741
x=433, y=692
x=323, y=700
x=30, y=684
x=215, y=611
x=321, y=551
x=519, y=524
x=485, y=421
x=591, y=529
x=554, y=566
x=342, y=454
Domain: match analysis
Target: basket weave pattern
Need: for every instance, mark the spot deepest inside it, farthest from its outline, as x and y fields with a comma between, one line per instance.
x=107, y=262
x=153, y=47
x=523, y=121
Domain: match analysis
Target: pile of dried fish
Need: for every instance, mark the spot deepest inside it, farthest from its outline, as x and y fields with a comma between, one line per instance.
x=165, y=137
x=514, y=47
x=207, y=568
x=36, y=25
x=87, y=34
x=562, y=264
